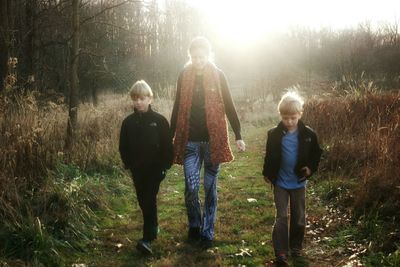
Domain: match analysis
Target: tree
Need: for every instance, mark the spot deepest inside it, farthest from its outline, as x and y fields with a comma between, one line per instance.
x=31, y=44
x=4, y=39
x=74, y=81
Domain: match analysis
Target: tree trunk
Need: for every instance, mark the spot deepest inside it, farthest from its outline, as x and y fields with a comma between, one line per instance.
x=74, y=82
x=31, y=43
x=4, y=41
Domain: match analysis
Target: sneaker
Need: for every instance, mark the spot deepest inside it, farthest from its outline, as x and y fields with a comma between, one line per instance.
x=144, y=247
x=194, y=234
x=281, y=260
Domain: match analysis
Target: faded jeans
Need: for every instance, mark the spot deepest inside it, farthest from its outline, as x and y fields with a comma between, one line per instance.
x=284, y=236
x=196, y=154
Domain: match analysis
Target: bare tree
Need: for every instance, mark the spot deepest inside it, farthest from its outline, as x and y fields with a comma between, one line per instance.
x=74, y=81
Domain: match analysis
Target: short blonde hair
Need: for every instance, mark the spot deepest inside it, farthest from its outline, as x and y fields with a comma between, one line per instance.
x=291, y=103
x=141, y=88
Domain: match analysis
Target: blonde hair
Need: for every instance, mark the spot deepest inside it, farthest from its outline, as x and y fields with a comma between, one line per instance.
x=201, y=43
x=291, y=103
x=141, y=88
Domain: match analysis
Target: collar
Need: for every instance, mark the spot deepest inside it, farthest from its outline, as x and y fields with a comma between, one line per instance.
x=300, y=127
x=149, y=111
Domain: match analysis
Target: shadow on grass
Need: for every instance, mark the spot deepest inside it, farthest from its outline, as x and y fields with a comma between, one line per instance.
x=181, y=253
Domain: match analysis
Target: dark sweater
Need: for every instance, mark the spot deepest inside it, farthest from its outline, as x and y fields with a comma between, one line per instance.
x=197, y=121
x=145, y=141
x=309, y=153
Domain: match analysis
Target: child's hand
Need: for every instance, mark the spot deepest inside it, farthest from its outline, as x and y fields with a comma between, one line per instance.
x=306, y=171
x=240, y=145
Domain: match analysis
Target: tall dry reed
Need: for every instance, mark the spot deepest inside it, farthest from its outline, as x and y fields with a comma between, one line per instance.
x=361, y=135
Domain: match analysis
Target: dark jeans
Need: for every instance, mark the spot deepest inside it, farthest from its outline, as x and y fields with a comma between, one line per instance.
x=147, y=183
x=291, y=236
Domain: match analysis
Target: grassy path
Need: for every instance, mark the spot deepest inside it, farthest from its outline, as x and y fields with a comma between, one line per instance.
x=243, y=227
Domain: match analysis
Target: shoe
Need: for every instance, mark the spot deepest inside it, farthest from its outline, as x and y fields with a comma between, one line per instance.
x=194, y=234
x=206, y=243
x=144, y=247
x=281, y=261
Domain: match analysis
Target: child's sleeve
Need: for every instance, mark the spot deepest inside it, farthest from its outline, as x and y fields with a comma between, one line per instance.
x=123, y=145
x=166, y=144
x=265, y=171
x=315, y=154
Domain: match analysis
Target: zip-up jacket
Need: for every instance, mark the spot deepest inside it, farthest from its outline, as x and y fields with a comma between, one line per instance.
x=309, y=152
x=145, y=141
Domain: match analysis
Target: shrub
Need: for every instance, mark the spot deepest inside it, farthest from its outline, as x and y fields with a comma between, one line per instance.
x=360, y=133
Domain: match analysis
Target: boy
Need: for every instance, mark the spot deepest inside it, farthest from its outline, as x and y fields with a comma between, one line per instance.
x=292, y=156
x=146, y=150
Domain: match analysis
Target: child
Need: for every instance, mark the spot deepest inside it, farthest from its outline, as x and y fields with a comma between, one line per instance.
x=292, y=155
x=146, y=150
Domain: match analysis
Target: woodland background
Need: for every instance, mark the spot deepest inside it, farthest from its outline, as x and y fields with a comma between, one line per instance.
x=65, y=69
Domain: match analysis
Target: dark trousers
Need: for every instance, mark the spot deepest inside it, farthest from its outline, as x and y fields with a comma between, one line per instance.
x=147, y=183
x=284, y=236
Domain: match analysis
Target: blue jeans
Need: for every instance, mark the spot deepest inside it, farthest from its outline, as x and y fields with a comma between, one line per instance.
x=195, y=154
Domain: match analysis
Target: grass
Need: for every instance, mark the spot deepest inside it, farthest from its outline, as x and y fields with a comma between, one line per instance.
x=243, y=228
x=241, y=225
x=82, y=208
x=108, y=238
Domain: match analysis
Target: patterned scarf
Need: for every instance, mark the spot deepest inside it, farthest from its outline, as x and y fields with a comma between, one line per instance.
x=215, y=115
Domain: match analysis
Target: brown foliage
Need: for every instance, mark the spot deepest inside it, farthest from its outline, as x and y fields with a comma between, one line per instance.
x=361, y=135
x=32, y=141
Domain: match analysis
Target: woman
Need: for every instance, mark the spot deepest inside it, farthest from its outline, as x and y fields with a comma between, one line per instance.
x=201, y=135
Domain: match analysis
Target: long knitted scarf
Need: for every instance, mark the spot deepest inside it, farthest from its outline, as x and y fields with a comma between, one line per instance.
x=215, y=115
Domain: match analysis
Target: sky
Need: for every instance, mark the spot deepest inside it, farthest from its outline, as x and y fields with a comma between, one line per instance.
x=247, y=20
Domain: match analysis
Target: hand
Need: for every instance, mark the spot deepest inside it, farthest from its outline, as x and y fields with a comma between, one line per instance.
x=240, y=145
x=306, y=171
x=267, y=180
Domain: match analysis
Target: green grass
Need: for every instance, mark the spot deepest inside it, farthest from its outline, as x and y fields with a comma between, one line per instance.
x=243, y=228
x=241, y=225
x=114, y=222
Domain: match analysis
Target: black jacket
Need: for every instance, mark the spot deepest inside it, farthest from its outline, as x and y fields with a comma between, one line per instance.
x=145, y=141
x=309, y=152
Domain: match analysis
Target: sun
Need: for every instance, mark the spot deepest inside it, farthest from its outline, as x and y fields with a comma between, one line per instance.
x=241, y=22
x=244, y=22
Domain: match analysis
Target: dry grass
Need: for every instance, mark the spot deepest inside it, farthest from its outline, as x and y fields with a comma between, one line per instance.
x=32, y=141
x=361, y=135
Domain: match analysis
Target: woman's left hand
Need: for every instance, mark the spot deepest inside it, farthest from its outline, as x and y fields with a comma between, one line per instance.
x=240, y=145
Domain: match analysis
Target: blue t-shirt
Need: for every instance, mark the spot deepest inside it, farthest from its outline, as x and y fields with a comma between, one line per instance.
x=286, y=177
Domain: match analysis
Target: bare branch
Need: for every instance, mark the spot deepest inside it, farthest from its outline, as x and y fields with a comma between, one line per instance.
x=109, y=8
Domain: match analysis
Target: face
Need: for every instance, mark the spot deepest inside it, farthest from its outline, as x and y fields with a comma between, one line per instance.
x=141, y=103
x=291, y=120
x=199, y=58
